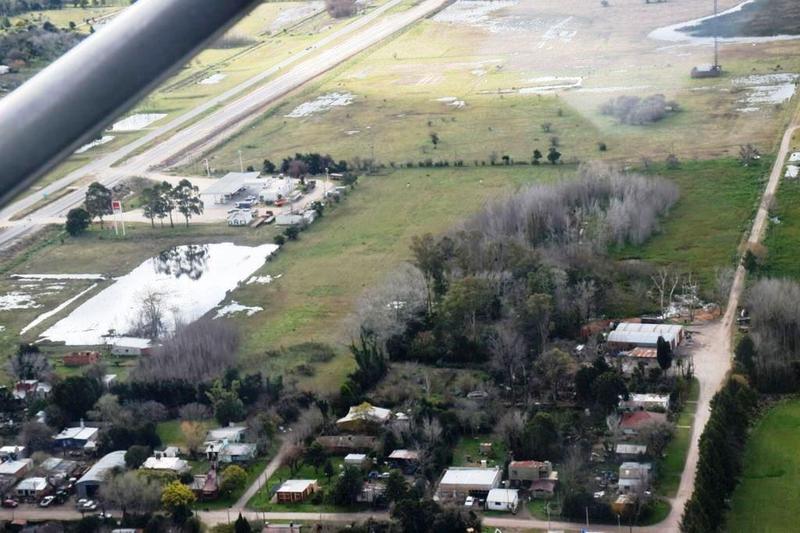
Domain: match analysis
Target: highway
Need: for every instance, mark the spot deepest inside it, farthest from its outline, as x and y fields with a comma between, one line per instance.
x=138, y=156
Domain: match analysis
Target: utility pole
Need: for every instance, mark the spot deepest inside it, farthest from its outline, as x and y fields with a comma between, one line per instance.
x=208, y=167
x=716, y=37
x=241, y=163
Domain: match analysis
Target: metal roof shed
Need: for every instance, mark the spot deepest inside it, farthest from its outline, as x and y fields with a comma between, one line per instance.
x=225, y=187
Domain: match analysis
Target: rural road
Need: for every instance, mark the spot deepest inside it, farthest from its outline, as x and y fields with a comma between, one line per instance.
x=217, y=125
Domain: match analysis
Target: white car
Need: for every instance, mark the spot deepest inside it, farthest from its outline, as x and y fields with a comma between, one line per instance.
x=469, y=502
x=46, y=501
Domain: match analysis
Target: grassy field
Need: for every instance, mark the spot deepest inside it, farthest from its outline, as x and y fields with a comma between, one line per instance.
x=782, y=238
x=704, y=230
x=467, y=451
x=770, y=483
x=171, y=435
x=670, y=466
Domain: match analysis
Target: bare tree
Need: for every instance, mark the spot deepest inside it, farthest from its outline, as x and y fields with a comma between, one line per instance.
x=26, y=364
x=196, y=352
x=194, y=412
x=150, y=319
x=131, y=492
x=509, y=355
x=664, y=284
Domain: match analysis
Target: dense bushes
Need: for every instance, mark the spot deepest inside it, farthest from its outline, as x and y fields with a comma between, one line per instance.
x=33, y=44
x=635, y=110
x=720, y=461
x=15, y=7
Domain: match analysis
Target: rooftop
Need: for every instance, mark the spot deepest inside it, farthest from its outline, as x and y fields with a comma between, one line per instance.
x=32, y=483
x=503, y=495
x=640, y=418
x=77, y=433
x=230, y=432
x=175, y=464
x=366, y=412
x=12, y=467
x=230, y=183
x=405, y=455
x=131, y=342
x=296, y=485
x=97, y=473
x=527, y=464
x=469, y=476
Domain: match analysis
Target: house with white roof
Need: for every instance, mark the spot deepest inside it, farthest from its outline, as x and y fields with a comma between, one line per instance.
x=459, y=482
x=503, y=500
x=166, y=464
x=77, y=437
x=229, y=433
x=634, y=477
x=12, y=452
x=88, y=485
x=130, y=346
x=225, y=188
x=633, y=334
x=16, y=468
x=646, y=402
x=296, y=490
x=32, y=488
x=364, y=417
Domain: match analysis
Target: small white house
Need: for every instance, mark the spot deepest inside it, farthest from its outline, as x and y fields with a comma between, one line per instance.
x=32, y=487
x=359, y=460
x=240, y=217
x=130, y=346
x=503, y=500
x=166, y=464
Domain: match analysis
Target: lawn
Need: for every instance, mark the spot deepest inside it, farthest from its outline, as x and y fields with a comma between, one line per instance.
x=670, y=466
x=171, y=435
x=770, y=484
x=782, y=238
x=253, y=470
x=467, y=451
x=705, y=228
x=261, y=501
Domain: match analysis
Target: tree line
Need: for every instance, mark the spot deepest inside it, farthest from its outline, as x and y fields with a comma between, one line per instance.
x=720, y=461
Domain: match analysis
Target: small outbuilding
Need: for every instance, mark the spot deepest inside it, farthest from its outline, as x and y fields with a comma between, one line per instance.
x=240, y=217
x=364, y=418
x=16, y=468
x=296, y=490
x=503, y=500
x=131, y=346
x=459, y=482
x=76, y=437
x=358, y=460
x=166, y=464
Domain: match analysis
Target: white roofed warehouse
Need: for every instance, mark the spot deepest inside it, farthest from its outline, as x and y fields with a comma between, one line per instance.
x=459, y=482
x=632, y=334
x=91, y=481
x=225, y=188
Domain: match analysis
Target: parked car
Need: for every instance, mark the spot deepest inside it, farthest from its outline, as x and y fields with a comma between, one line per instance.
x=469, y=502
x=46, y=501
x=9, y=503
x=85, y=505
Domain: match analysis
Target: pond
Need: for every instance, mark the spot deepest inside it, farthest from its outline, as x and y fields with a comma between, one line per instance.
x=180, y=284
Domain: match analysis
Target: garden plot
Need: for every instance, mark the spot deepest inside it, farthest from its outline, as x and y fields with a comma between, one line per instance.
x=765, y=90
x=185, y=281
x=137, y=122
x=321, y=104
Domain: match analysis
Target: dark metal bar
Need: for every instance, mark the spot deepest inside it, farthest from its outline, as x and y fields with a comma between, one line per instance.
x=57, y=111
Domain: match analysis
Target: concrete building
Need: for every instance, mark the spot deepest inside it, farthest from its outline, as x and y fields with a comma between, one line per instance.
x=91, y=481
x=459, y=482
x=503, y=500
x=296, y=490
x=16, y=468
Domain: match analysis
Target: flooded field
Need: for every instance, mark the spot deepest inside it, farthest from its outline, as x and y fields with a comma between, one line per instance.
x=180, y=284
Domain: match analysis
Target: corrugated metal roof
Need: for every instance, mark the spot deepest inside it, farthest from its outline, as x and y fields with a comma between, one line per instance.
x=229, y=183
x=470, y=476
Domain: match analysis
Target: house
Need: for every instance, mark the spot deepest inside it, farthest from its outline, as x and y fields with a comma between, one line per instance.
x=58, y=470
x=646, y=402
x=634, y=477
x=633, y=358
x=206, y=487
x=503, y=500
x=84, y=358
x=240, y=217
x=31, y=388
x=358, y=460
x=364, y=418
x=404, y=460
x=459, y=482
x=16, y=468
x=91, y=481
x=523, y=473
x=225, y=188
x=344, y=444
x=131, y=346
x=543, y=488
x=166, y=464
x=275, y=189
x=239, y=452
x=76, y=438
x=629, y=335
x=296, y=490
x=630, y=451
x=12, y=452
x=792, y=171
x=230, y=433
x=32, y=488
x=634, y=422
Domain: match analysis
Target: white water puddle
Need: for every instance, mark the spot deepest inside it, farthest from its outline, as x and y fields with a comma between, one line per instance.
x=235, y=308
x=190, y=281
x=137, y=122
x=47, y=277
x=320, y=104
x=105, y=139
x=352, y=132
x=765, y=90
x=17, y=300
x=213, y=79
x=474, y=13
x=680, y=32
x=264, y=280
x=44, y=316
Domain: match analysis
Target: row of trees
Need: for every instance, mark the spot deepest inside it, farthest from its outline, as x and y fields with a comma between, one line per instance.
x=32, y=44
x=720, y=461
x=160, y=201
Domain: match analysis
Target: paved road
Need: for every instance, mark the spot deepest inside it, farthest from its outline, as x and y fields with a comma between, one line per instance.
x=223, y=123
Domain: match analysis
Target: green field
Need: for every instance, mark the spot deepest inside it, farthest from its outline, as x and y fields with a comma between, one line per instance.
x=670, y=466
x=770, y=485
x=705, y=228
x=467, y=451
x=782, y=238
